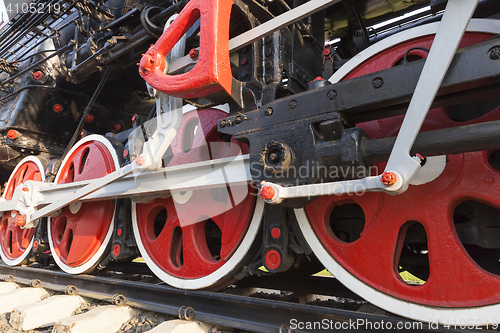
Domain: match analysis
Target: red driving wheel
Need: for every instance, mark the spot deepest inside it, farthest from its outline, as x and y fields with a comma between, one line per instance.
x=16, y=243
x=193, y=239
x=366, y=240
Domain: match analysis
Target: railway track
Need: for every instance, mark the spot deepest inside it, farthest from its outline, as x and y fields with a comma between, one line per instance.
x=267, y=310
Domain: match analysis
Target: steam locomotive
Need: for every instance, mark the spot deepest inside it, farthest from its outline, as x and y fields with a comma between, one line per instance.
x=217, y=137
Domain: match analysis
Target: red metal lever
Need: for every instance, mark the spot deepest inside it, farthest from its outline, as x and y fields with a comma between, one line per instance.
x=212, y=72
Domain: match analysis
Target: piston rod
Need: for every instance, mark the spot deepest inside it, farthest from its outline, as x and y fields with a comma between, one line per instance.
x=455, y=140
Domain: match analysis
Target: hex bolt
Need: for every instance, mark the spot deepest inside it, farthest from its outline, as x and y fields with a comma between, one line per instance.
x=377, y=82
x=269, y=52
x=237, y=120
x=37, y=75
x=222, y=123
x=293, y=104
x=332, y=94
x=269, y=111
x=494, y=53
x=389, y=178
x=269, y=78
x=268, y=39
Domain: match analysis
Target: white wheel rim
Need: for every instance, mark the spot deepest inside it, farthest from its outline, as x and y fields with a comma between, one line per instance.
x=475, y=25
x=221, y=272
x=19, y=260
x=89, y=265
x=483, y=315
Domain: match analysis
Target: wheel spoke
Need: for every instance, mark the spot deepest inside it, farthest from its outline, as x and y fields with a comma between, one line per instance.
x=448, y=260
x=32, y=173
x=63, y=243
x=232, y=227
x=479, y=180
x=215, y=201
x=5, y=234
x=165, y=237
x=197, y=257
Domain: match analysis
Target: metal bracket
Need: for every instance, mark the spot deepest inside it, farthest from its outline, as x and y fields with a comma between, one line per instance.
x=212, y=72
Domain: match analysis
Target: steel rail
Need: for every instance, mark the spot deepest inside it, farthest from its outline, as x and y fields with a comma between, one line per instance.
x=240, y=312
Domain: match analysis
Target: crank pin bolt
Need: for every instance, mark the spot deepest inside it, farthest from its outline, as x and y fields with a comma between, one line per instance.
x=20, y=220
x=267, y=193
x=139, y=160
x=389, y=178
x=269, y=111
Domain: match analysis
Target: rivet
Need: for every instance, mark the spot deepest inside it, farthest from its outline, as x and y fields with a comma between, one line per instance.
x=494, y=53
x=377, y=82
x=332, y=94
